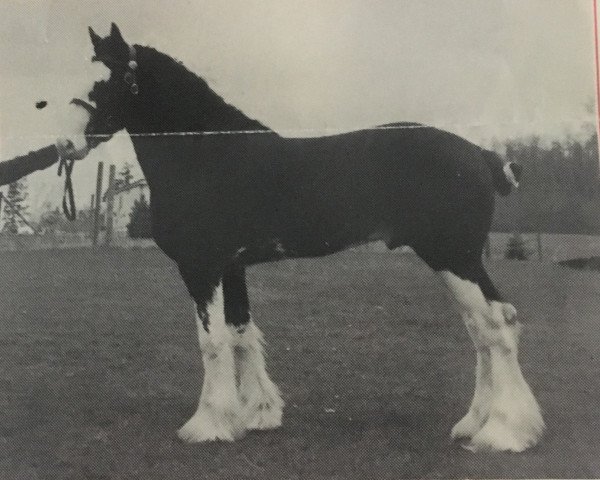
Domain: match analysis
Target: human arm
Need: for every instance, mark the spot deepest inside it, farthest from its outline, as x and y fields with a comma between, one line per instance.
x=18, y=167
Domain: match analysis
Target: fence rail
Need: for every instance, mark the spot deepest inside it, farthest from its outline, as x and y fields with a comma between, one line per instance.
x=11, y=242
x=554, y=246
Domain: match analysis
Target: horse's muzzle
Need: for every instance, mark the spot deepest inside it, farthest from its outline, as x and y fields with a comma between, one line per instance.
x=92, y=137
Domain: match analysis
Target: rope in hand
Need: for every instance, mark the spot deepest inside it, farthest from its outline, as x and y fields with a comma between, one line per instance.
x=68, y=203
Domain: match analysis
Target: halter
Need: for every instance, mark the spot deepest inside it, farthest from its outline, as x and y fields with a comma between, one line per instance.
x=130, y=77
x=66, y=165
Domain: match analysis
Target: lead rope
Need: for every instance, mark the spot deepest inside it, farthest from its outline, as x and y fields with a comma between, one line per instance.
x=68, y=197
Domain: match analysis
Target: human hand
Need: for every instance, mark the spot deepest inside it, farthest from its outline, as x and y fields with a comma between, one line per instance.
x=67, y=150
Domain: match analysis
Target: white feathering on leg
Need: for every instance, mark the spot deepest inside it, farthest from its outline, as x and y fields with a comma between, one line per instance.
x=219, y=411
x=261, y=401
x=479, y=410
x=515, y=421
x=512, y=420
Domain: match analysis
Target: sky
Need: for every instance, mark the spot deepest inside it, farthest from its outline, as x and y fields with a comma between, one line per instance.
x=483, y=69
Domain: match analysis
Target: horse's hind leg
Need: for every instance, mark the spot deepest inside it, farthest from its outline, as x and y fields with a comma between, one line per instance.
x=504, y=414
x=260, y=399
x=479, y=410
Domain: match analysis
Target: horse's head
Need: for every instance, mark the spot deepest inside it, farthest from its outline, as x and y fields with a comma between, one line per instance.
x=114, y=98
x=97, y=109
x=73, y=122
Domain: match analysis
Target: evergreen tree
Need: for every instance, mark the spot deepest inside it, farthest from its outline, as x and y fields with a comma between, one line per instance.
x=560, y=187
x=139, y=224
x=15, y=205
x=125, y=176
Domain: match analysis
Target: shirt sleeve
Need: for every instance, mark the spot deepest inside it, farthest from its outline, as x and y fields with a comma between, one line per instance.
x=18, y=167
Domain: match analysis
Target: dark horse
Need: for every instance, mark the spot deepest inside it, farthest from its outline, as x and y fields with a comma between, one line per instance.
x=227, y=192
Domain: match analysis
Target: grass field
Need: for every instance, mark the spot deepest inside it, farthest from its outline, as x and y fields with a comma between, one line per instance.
x=99, y=366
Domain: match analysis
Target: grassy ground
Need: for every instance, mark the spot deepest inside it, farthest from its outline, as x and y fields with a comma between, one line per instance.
x=99, y=366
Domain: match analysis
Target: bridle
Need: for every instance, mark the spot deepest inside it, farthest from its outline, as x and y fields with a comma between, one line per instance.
x=130, y=75
x=130, y=78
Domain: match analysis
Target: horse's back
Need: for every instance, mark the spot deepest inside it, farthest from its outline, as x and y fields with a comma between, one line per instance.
x=404, y=181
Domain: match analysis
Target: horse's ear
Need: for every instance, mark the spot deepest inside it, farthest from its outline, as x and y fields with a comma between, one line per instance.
x=94, y=37
x=115, y=33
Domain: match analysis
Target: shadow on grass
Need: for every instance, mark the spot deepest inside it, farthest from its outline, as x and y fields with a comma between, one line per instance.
x=590, y=263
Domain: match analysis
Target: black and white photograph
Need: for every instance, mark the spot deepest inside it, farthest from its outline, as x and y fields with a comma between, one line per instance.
x=278, y=239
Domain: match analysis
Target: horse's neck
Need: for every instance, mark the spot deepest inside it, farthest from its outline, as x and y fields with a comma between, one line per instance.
x=155, y=160
x=170, y=161
x=172, y=122
x=179, y=101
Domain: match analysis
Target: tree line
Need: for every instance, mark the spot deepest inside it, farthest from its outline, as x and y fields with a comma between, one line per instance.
x=559, y=191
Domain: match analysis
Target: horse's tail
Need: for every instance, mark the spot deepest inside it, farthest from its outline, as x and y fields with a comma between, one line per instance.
x=504, y=174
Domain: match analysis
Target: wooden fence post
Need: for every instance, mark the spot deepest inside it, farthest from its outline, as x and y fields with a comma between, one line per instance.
x=96, y=224
x=110, y=195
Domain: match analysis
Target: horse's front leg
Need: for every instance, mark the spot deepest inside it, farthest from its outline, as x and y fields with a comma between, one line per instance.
x=261, y=402
x=219, y=413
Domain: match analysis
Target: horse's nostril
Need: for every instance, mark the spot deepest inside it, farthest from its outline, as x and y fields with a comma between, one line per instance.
x=41, y=104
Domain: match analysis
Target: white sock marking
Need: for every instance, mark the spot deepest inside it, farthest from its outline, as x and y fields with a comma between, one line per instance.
x=219, y=411
x=504, y=414
x=260, y=397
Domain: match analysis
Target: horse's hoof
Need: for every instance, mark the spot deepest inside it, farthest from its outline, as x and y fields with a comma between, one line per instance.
x=467, y=427
x=207, y=426
x=500, y=436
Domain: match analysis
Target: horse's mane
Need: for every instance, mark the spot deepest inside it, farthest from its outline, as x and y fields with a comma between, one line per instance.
x=199, y=108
